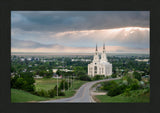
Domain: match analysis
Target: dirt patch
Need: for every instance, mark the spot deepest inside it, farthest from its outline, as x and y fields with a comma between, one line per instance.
x=98, y=93
x=95, y=99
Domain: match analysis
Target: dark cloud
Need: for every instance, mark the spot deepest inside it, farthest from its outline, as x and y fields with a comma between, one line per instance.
x=58, y=21
x=15, y=43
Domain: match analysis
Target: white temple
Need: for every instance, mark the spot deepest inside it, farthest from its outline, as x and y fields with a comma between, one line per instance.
x=100, y=66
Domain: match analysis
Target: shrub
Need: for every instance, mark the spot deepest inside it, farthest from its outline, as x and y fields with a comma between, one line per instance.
x=127, y=92
x=114, y=88
x=19, y=83
x=84, y=77
x=42, y=93
x=30, y=88
x=109, y=85
x=137, y=76
x=114, y=91
x=113, y=75
x=51, y=93
x=107, y=77
x=125, y=82
x=134, y=86
x=123, y=87
x=98, y=77
x=147, y=90
x=61, y=93
x=64, y=83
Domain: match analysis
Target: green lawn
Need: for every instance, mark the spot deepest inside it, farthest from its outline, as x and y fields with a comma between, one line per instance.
x=23, y=96
x=142, y=98
x=117, y=81
x=46, y=84
x=77, y=84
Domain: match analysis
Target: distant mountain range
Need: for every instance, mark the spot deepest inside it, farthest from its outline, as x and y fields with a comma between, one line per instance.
x=71, y=54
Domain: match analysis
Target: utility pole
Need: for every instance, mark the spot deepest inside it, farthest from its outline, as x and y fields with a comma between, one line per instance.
x=68, y=83
x=71, y=80
x=64, y=84
x=57, y=85
x=64, y=77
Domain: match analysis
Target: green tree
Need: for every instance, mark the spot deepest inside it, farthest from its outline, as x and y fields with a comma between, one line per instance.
x=113, y=75
x=79, y=71
x=98, y=77
x=25, y=82
x=137, y=76
x=84, y=78
x=62, y=84
x=19, y=83
x=58, y=72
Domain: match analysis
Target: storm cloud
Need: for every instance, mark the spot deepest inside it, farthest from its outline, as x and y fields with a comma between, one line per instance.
x=29, y=44
x=58, y=21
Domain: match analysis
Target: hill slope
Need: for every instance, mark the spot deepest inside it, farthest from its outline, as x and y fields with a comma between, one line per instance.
x=23, y=96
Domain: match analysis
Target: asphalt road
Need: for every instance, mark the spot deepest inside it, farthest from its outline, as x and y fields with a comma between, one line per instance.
x=83, y=94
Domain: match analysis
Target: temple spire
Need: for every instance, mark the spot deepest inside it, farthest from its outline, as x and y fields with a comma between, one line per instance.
x=96, y=48
x=96, y=56
x=103, y=45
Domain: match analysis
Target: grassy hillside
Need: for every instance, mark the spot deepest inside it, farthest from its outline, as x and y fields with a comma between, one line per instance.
x=46, y=84
x=23, y=96
x=137, y=96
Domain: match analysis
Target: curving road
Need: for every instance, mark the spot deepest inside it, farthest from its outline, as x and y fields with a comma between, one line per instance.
x=83, y=95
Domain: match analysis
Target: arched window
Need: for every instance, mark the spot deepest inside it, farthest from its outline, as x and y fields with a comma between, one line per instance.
x=95, y=69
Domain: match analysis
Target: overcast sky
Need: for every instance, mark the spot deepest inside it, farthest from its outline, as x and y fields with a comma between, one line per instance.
x=79, y=31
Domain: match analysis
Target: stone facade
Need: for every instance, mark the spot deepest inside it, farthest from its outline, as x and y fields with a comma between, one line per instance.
x=100, y=66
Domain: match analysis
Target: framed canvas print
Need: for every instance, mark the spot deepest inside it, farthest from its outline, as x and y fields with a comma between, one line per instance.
x=80, y=56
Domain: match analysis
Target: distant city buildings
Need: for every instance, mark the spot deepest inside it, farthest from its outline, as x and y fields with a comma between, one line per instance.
x=83, y=60
x=24, y=70
x=37, y=76
x=29, y=65
x=142, y=60
x=29, y=59
x=22, y=59
x=65, y=70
